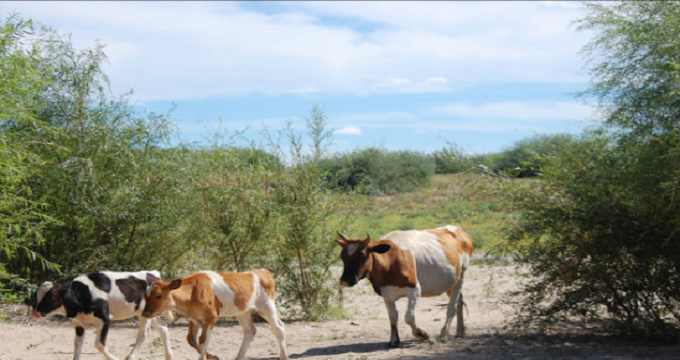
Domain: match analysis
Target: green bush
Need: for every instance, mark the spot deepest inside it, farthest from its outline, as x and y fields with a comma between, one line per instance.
x=600, y=230
x=308, y=217
x=108, y=189
x=452, y=160
x=526, y=157
x=375, y=171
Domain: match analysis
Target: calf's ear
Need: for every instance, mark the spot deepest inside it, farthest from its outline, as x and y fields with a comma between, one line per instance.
x=175, y=284
x=380, y=249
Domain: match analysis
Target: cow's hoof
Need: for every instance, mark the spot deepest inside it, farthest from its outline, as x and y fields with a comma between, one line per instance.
x=393, y=344
x=211, y=357
x=421, y=335
x=443, y=338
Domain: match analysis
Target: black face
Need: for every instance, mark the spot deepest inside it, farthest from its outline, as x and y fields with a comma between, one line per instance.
x=354, y=257
x=47, y=298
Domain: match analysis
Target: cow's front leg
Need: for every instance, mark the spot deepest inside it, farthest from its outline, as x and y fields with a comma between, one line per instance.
x=413, y=296
x=78, y=342
x=162, y=327
x=141, y=336
x=192, y=339
x=204, y=340
x=100, y=343
x=394, y=317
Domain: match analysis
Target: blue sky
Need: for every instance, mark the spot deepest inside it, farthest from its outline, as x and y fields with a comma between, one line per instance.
x=401, y=75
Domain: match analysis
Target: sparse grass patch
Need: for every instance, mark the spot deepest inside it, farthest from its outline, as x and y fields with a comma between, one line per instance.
x=466, y=200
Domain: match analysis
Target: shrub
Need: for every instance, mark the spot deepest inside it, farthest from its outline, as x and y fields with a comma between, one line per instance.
x=526, y=157
x=375, y=171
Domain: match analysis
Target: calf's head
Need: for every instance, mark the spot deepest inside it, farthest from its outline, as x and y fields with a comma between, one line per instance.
x=47, y=299
x=356, y=257
x=158, y=298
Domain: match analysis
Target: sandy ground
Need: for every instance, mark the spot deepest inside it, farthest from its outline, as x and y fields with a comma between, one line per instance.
x=363, y=335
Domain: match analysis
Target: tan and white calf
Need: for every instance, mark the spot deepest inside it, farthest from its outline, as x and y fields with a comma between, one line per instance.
x=205, y=296
x=411, y=264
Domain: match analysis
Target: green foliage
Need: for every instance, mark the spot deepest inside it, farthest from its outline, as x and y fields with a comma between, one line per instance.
x=526, y=157
x=237, y=192
x=90, y=183
x=600, y=231
x=23, y=215
x=634, y=64
x=375, y=171
x=452, y=160
x=114, y=186
x=309, y=215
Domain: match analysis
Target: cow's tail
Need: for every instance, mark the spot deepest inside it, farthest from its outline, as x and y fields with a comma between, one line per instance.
x=460, y=303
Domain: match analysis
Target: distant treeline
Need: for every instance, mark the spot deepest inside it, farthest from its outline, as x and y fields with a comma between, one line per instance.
x=376, y=171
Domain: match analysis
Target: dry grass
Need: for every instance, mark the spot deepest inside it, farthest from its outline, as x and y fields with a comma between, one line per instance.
x=470, y=201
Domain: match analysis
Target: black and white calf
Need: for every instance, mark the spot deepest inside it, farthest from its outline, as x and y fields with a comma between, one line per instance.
x=96, y=299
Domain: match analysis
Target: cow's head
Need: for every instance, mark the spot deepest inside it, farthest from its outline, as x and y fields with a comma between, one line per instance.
x=47, y=300
x=158, y=299
x=356, y=256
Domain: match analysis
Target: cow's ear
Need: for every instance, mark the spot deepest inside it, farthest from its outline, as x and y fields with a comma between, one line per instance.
x=175, y=284
x=380, y=249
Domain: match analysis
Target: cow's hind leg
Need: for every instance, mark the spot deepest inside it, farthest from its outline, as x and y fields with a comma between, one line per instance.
x=410, y=317
x=267, y=309
x=454, y=299
x=394, y=317
x=248, y=333
x=78, y=342
x=100, y=343
x=460, y=325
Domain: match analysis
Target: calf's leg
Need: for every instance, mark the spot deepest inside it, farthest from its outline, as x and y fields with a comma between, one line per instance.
x=141, y=336
x=267, y=309
x=78, y=342
x=204, y=340
x=100, y=343
x=248, y=333
x=162, y=327
x=192, y=339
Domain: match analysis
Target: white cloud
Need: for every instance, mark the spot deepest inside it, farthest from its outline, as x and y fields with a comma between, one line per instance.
x=518, y=111
x=437, y=79
x=390, y=118
x=190, y=50
x=349, y=130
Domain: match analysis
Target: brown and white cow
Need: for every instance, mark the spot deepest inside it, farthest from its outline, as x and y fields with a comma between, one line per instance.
x=205, y=296
x=411, y=264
